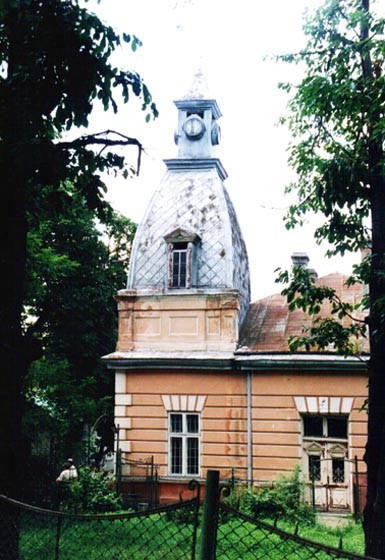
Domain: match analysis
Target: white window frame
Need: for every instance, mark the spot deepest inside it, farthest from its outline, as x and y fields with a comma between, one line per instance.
x=174, y=240
x=322, y=445
x=184, y=435
x=176, y=253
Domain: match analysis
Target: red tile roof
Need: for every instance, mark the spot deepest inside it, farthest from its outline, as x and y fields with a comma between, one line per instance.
x=269, y=323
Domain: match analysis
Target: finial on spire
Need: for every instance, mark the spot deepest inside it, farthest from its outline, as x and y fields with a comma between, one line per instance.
x=198, y=88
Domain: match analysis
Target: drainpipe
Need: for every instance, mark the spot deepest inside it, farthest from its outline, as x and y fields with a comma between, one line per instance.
x=249, y=429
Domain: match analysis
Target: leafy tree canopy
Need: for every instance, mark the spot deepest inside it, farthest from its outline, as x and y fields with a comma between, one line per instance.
x=74, y=268
x=334, y=114
x=336, y=117
x=55, y=66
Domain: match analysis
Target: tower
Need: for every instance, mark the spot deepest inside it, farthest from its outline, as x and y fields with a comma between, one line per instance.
x=188, y=284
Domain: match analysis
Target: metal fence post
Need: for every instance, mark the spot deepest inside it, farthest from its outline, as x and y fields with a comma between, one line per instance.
x=118, y=472
x=356, y=490
x=210, y=516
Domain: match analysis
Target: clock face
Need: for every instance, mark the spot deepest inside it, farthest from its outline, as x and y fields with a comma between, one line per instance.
x=194, y=127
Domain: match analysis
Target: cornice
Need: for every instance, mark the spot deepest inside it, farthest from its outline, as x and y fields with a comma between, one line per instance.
x=229, y=361
x=191, y=164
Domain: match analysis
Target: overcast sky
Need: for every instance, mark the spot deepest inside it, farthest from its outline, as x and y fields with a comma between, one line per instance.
x=230, y=42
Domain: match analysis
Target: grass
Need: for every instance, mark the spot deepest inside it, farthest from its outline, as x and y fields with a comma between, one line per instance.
x=141, y=538
x=156, y=537
x=239, y=539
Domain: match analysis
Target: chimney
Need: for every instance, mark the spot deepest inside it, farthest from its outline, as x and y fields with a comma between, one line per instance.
x=301, y=259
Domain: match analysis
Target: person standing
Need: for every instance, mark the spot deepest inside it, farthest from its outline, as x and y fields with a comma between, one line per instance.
x=60, y=489
x=69, y=473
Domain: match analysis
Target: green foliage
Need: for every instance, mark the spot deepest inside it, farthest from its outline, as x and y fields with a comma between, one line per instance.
x=76, y=247
x=330, y=113
x=75, y=265
x=181, y=516
x=336, y=118
x=148, y=537
x=92, y=492
x=56, y=66
x=58, y=402
x=334, y=331
x=69, y=38
x=282, y=500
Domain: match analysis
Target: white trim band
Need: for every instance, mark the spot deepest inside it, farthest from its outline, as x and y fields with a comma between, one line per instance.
x=191, y=403
x=324, y=405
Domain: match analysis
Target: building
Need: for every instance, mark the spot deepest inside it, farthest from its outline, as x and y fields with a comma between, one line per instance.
x=204, y=379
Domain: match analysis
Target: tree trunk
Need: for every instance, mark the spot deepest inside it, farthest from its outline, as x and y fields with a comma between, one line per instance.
x=13, y=365
x=374, y=513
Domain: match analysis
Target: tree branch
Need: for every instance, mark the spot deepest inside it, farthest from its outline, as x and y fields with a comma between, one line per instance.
x=101, y=138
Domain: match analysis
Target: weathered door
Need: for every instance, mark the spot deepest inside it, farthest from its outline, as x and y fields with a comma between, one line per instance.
x=325, y=465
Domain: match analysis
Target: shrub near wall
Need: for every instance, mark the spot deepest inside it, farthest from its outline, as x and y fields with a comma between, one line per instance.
x=284, y=499
x=92, y=492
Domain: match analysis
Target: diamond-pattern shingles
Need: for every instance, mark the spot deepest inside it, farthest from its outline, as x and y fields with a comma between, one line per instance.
x=241, y=274
x=269, y=323
x=197, y=201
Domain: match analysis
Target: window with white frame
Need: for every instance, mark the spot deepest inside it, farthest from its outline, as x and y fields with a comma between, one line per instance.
x=182, y=258
x=179, y=265
x=184, y=443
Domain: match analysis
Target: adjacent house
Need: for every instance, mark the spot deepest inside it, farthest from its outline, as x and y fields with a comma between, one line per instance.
x=204, y=378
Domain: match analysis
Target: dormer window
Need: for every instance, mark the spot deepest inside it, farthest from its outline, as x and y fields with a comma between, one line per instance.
x=182, y=258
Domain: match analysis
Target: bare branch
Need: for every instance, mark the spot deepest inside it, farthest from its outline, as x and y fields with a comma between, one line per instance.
x=102, y=138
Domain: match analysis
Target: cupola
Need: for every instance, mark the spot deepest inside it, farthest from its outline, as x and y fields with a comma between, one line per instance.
x=198, y=130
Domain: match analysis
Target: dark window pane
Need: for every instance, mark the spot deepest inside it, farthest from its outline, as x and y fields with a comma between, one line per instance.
x=175, y=269
x=192, y=423
x=192, y=455
x=176, y=423
x=176, y=455
x=179, y=268
x=338, y=427
x=338, y=466
x=314, y=467
x=312, y=426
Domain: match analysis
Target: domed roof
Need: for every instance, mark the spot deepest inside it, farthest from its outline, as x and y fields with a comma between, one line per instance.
x=192, y=198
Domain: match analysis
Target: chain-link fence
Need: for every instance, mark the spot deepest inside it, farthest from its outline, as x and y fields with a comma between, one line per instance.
x=241, y=536
x=178, y=531
x=31, y=533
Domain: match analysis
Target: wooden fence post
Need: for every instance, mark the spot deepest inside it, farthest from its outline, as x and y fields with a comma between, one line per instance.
x=210, y=516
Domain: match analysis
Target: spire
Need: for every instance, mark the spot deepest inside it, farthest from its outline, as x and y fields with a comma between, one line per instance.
x=198, y=88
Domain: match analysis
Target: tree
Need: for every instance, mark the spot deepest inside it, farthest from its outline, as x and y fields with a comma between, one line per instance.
x=55, y=64
x=74, y=267
x=336, y=116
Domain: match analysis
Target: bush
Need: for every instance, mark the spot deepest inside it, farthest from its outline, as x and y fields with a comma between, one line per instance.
x=181, y=516
x=284, y=499
x=92, y=492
